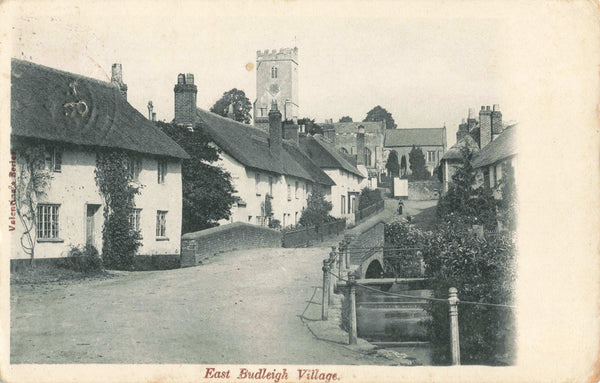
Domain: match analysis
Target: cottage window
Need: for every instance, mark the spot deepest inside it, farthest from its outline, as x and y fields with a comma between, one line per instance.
x=274, y=72
x=431, y=156
x=296, y=218
x=47, y=221
x=296, y=191
x=343, y=205
x=54, y=159
x=289, y=192
x=134, y=219
x=134, y=166
x=161, y=224
x=162, y=171
x=270, y=186
x=257, y=183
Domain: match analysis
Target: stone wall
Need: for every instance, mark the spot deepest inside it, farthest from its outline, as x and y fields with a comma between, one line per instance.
x=367, y=235
x=203, y=244
x=304, y=237
x=424, y=190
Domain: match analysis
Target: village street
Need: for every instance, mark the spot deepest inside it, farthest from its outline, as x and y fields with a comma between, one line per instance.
x=243, y=307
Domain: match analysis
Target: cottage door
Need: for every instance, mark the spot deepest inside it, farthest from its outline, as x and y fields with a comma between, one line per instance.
x=90, y=224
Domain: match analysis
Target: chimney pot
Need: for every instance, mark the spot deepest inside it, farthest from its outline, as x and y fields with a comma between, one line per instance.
x=275, y=134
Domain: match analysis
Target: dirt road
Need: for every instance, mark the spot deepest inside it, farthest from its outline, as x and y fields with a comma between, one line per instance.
x=242, y=307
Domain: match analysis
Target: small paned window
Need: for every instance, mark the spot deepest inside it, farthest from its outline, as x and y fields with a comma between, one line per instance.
x=296, y=191
x=162, y=171
x=47, y=221
x=161, y=223
x=257, y=183
x=53, y=159
x=134, y=219
x=134, y=166
x=274, y=72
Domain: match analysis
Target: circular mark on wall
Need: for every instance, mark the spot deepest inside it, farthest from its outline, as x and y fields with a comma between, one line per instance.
x=249, y=67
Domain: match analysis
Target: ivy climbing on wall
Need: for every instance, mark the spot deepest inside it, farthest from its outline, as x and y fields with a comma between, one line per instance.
x=32, y=182
x=119, y=239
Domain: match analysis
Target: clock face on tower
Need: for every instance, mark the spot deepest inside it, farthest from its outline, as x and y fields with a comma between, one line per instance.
x=274, y=89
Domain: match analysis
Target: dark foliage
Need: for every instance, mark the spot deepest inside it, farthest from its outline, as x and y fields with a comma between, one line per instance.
x=207, y=189
x=482, y=271
x=392, y=164
x=404, y=261
x=380, y=114
x=119, y=240
x=418, y=170
x=465, y=204
x=241, y=105
x=83, y=259
x=507, y=209
x=311, y=126
x=317, y=209
x=368, y=197
x=346, y=119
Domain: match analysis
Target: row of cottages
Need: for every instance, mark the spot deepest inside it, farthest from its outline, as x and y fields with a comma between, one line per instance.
x=369, y=145
x=270, y=163
x=72, y=118
x=492, y=143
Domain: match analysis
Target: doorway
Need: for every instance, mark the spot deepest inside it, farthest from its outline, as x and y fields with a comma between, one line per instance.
x=90, y=224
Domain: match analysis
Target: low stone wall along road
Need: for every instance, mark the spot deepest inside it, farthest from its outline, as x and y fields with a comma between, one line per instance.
x=242, y=307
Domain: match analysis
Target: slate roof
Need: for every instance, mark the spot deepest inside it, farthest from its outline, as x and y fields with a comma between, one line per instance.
x=250, y=146
x=502, y=147
x=352, y=127
x=417, y=137
x=454, y=153
x=59, y=106
x=325, y=155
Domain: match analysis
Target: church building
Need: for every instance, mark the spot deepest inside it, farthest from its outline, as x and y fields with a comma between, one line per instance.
x=276, y=81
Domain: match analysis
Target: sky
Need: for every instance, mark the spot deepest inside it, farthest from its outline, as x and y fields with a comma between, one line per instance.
x=426, y=71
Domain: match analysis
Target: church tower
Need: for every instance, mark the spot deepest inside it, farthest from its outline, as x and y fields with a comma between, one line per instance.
x=276, y=80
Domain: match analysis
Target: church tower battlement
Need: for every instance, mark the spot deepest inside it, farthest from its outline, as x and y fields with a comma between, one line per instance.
x=276, y=81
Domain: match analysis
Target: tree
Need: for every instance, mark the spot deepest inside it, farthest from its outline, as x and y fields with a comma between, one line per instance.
x=416, y=158
x=241, y=105
x=207, y=189
x=392, y=164
x=507, y=208
x=464, y=203
x=368, y=197
x=346, y=119
x=317, y=209
x=380, y=114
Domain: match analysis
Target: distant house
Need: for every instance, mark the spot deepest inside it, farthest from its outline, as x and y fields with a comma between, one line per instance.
x=492, y=142
x=263, y=164
x=73, y=118
x=432, y=141
x=347, y=177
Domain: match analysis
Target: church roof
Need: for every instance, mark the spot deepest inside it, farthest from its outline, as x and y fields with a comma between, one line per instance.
x=352, y=127
x=250, y=146
x=59, y=106
x=502, y=147
x=416, y=137
x=325, y=155
x=454, y=153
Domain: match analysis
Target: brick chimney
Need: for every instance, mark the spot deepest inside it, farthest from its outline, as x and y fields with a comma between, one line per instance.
x=230, y=113
x=485, y=126
x=496, y=121
x=290, y=132
x=360, y=145
x=117, y=79
x=275, y=136
x=185, y=100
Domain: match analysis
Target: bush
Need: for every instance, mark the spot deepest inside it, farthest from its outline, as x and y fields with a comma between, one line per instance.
x=404, y=259
x=317, y=209
x=368, y=197
x=482, y=271
x=83, y=259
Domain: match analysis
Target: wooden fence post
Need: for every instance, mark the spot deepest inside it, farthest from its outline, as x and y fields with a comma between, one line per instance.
x=454, y=340
x=340, y=259
x=331, y=279
x=347, y=255
x=352, y=334
x=325, y=303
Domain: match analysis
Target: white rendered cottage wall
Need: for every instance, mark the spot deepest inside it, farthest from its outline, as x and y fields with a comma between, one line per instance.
x=74, y=188
x=346, y=183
